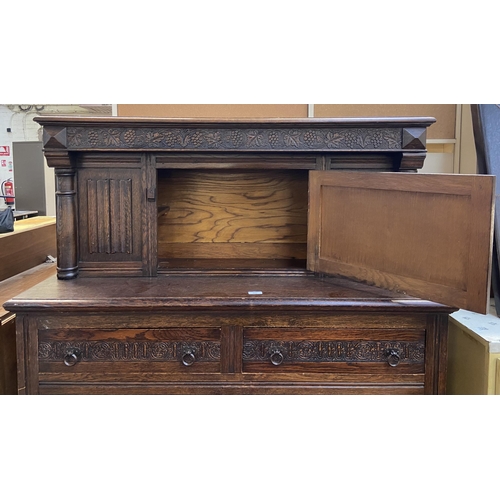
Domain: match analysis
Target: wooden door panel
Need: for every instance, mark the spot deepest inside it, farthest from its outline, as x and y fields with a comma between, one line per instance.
x=111, y=223
x=426, y=235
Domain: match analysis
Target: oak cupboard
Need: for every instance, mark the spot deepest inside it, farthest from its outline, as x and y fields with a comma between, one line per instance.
x=251, y=256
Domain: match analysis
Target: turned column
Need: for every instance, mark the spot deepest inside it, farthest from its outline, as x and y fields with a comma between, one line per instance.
x=67, y=237
x=59, y=159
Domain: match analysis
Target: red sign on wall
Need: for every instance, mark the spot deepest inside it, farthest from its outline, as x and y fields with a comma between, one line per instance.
x=4, y=150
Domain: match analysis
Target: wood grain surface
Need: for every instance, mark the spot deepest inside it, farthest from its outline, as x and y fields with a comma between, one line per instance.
x=8, y=289
x=247, y=215
x=426, y=235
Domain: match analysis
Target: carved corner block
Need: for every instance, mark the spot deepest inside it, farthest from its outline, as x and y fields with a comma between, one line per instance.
x=414, y=138
x=54, y=137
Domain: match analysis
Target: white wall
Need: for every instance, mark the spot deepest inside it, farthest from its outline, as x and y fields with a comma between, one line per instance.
x=23, y=128
x=19, y=118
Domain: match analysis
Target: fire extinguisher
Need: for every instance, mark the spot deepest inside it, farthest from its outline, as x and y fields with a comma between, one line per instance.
x=8, y=191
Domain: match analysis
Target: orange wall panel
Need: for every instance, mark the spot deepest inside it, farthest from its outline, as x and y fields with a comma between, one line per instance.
x=214, y=110
x=444, y=128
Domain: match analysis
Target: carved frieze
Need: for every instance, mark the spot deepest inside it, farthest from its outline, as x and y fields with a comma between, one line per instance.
x=235, y=139
x=129, y=351
x=333, y=351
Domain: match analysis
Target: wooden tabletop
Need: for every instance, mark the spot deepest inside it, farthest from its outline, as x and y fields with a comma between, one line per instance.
x=30, y=223
x=229, y=292
x=17, y=284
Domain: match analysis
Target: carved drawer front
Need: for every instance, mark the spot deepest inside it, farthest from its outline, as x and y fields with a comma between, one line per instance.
x=130, y=355
x=384, y=352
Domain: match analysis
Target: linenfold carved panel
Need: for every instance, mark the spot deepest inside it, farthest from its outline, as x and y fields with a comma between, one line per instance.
x=110, y=217
x=235, y=139
x=106, y=234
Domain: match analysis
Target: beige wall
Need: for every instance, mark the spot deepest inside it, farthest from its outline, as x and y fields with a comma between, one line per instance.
x=444, y=128
x=214, y=110
x=444, y=147
x=468, y=160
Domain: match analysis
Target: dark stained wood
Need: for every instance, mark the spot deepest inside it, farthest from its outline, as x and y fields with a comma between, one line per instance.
x=8, y=364
x=105, y=188
x=232, y=388
x=52, y=123
x=66, y=202
x=236, y=162
x=333, y=351
x=21, y=343
x=27, y=335
x=436, y=354
x=129, y=329
x=307, y=292
x=190, y=239
x=9, y=288
x=75, y=145
x=23, y=281
x=429, y=236
x=149, y=216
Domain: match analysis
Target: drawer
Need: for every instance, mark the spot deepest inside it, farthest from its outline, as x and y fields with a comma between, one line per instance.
x=127, y=355
x=369, y=355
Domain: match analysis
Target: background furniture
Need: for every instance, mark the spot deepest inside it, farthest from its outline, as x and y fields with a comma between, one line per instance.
x=28, y=246
x=22, y=256
x=474, y=354
x=9, y=288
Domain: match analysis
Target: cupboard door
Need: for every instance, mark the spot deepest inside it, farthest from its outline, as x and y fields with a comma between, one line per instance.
x=427, y=235
x=110, y=223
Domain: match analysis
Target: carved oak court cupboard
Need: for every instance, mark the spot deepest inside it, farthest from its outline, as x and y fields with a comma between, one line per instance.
x=251, y=256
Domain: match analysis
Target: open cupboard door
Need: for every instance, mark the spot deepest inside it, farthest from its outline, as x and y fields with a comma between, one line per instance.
x=427, y=235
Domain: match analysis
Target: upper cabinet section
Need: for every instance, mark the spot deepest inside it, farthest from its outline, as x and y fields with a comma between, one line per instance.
x=138, y=196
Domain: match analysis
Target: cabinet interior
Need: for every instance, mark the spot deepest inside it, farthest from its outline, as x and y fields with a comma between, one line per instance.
x=251, y=220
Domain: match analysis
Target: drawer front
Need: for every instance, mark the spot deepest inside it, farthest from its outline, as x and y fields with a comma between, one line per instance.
x=388, y=355
x=237, y=359
x=127, y=355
